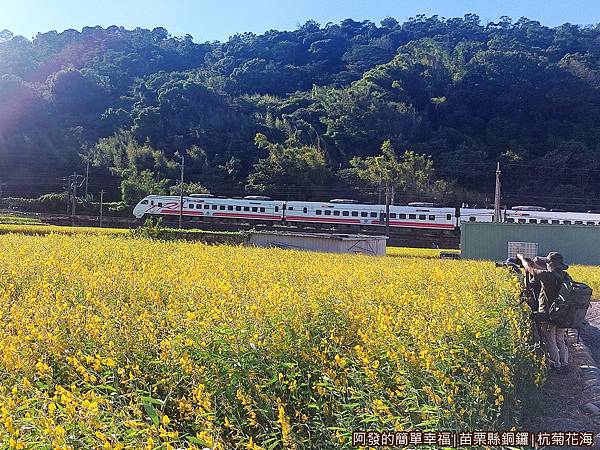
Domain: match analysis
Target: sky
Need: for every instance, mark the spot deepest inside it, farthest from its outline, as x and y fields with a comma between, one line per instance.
x=208, y=20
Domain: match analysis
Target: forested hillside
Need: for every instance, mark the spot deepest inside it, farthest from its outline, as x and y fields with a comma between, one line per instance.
x=304, y=114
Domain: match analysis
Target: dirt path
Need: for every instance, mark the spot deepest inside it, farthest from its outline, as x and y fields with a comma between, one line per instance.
x=563, y=402
x=591, y=333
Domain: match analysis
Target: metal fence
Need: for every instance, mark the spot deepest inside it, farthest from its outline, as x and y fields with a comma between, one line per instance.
x=580, y=244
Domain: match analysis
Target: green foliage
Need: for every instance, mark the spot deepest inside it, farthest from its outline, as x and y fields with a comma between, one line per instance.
x=154, y=229
x=188, y=188
x=412, y=176
x=138, y=185
x=289, y=170
x=458, y=90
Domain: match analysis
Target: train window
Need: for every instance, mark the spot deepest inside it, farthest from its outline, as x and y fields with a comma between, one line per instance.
x=262, y=209
x=412, y=216
x=590, y=223
x=304, y=210
x=556, y=222
x=159, y=203
x=510, y=220
x=318, y=212
x=291, y=208
x=472, y=219
x=392, y=215
x=402, y=216
x=422, y=217
x=345, y=213
x=431, y=217
x=448, y=216
x=246, y=208
x=276, y=208
x=363, y=214
x=532, y=220
x=254, y=209
x=327, y=212
x=373, y=214
x=238, y=208
x=336, y=213
x=578, y=222
x=354, y=213
x=522, y=221
x=543, y=220
x=206, y=206
x=214, y=206
x=144, y=202
x=152, y=202
x=567, y=222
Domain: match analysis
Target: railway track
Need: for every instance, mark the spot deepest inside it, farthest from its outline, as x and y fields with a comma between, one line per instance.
x=398, y=237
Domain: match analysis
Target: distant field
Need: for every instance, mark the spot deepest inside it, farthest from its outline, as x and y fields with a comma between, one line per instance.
x=19, y=220
x=430, y=253
x=589, y=275
x=41, y=229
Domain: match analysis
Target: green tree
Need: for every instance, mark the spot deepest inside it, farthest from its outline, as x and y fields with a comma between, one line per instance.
x=412, y=175
x=290, y=171
x=188, y=188
x=137, y=185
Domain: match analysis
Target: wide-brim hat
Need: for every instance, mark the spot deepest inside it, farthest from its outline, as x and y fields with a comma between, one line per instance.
x=555, y=258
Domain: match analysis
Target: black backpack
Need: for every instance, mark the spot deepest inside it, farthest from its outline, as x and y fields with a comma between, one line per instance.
x=571, y=305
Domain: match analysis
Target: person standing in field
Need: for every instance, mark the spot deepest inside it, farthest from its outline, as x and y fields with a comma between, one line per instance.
x=551, y=278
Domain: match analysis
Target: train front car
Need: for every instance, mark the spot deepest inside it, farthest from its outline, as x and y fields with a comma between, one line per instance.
x=155, y=205
x=206, y=207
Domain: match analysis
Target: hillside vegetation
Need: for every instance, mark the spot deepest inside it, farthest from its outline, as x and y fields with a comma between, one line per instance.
x=285, y=112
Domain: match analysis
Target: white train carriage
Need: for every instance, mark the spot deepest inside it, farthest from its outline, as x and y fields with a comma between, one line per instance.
x=370, y=215
x=531, y=214
x=255, y=208
x=476, y=215
x=552, y=217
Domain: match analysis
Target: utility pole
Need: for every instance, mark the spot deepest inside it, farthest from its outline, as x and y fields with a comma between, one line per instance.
x=87, y=175
x=101, y=205
x=497, y=210
x=387, y=208
x=73, y=184
x=380, y=186
x=181, y=192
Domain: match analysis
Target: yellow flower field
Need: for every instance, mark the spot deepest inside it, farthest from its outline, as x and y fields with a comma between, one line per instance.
x=107, y=342
x=589, y=275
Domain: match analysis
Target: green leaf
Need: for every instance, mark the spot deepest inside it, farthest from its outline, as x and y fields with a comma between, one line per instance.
x=152, y=400
x=195, y=440
x=152, y=413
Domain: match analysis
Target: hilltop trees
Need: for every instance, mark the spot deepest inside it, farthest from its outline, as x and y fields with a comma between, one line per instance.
x=458, y=90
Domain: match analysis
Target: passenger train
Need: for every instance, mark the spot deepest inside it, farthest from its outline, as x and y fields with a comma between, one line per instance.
x=416, y=215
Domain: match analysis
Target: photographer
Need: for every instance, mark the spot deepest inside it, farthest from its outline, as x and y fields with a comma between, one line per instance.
x=550, y=273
